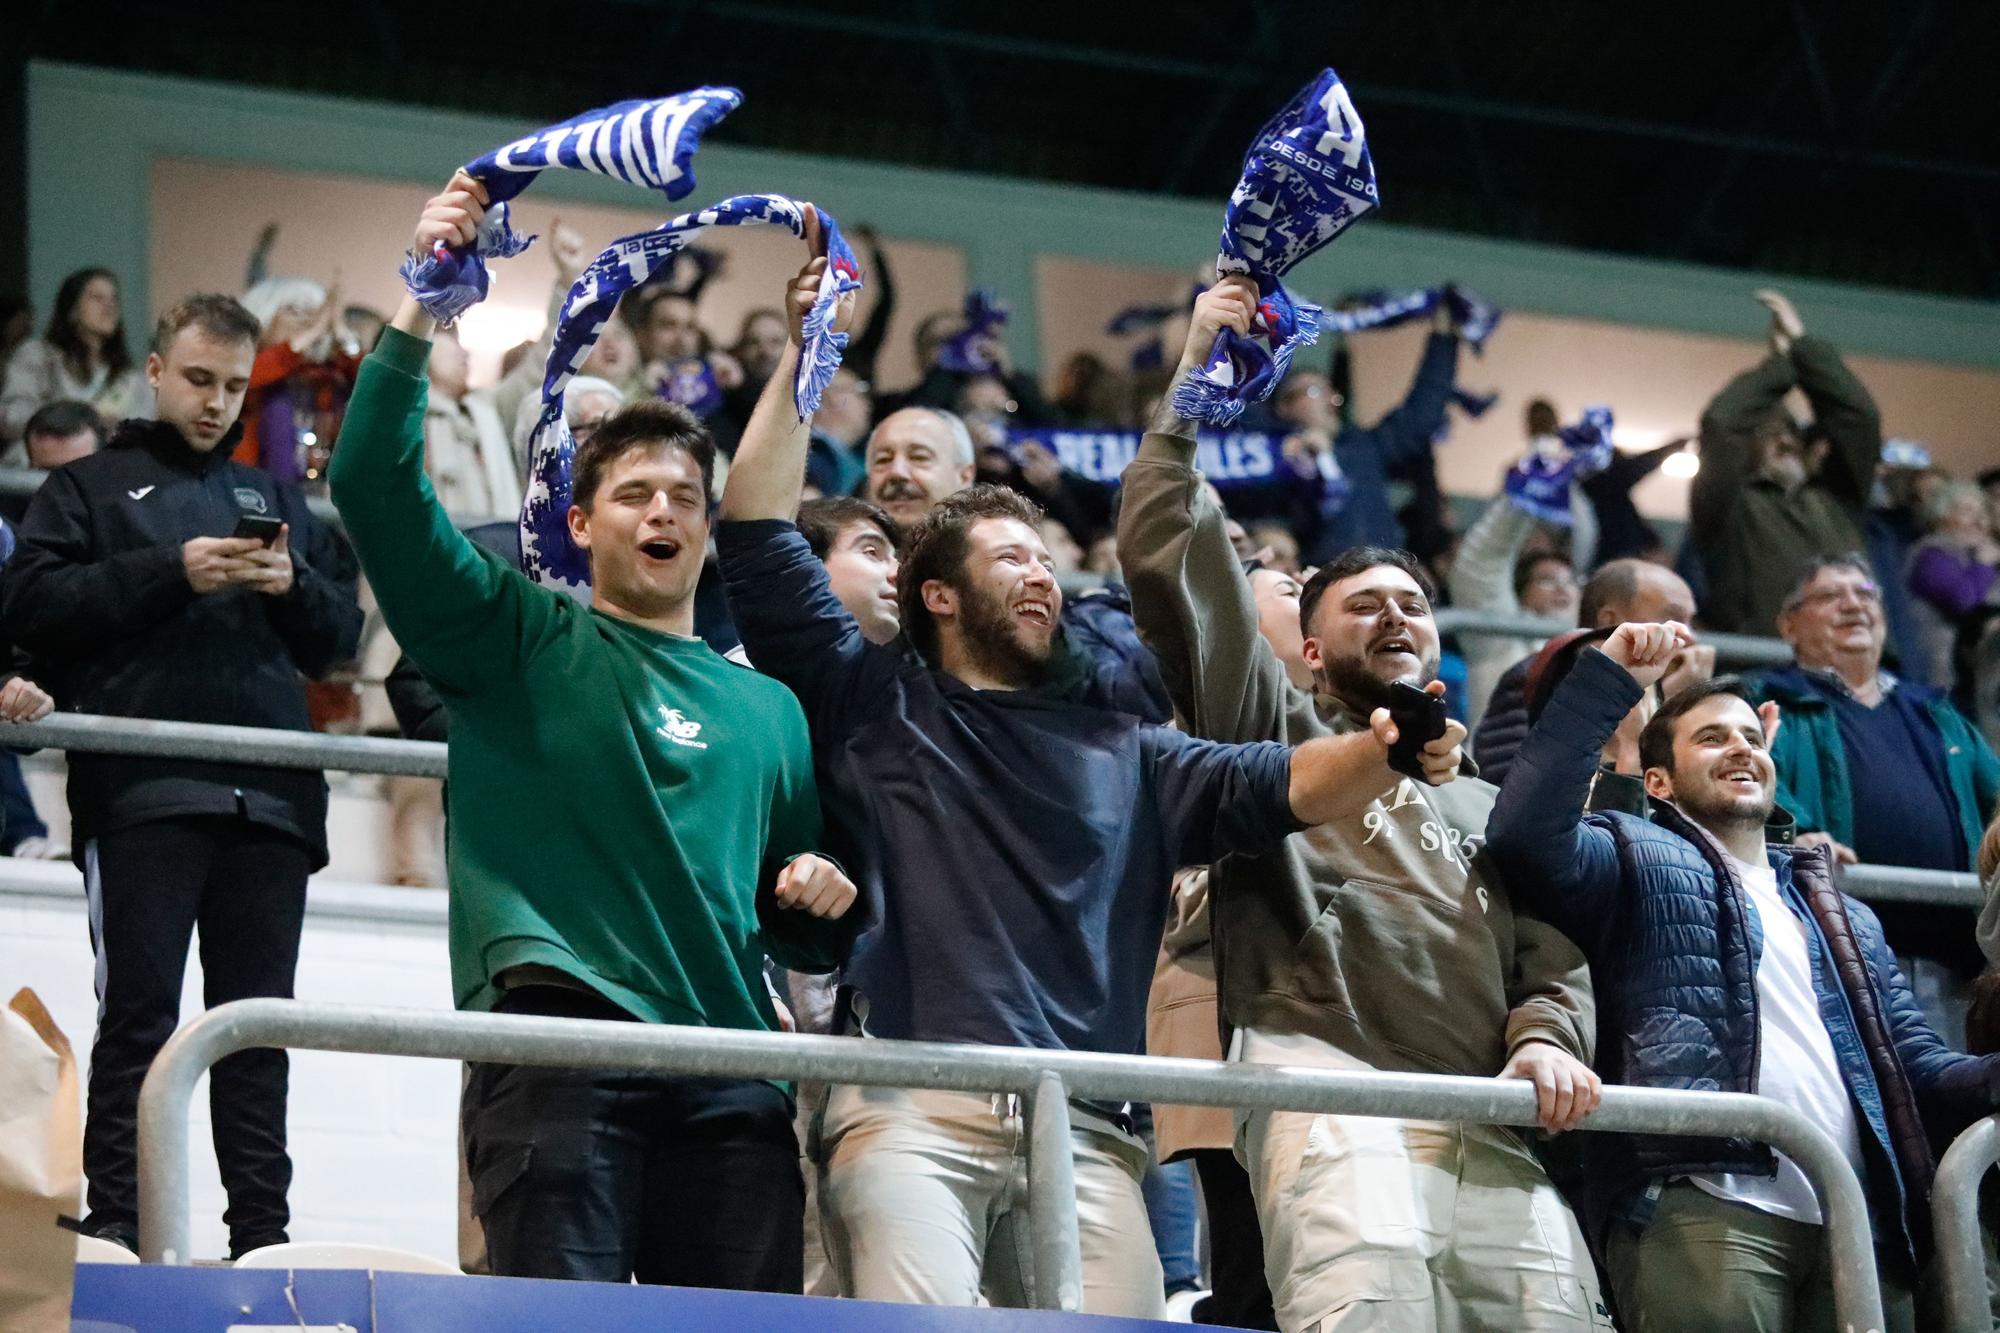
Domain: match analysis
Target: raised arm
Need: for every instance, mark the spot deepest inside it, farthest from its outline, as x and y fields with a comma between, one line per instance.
x=1843, y=407
x=1729, y=428
x=1482, y=576
x=1190, y=597
x=769, y=470
x=1554, y=861
x=459, y=612
x=1404, y=436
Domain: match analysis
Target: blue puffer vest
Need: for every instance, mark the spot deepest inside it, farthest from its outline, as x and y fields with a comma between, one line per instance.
x=1673, y=943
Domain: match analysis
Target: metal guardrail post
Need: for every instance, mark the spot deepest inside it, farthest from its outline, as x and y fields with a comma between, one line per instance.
x=1955, y=1213
x=721, y=1053
x=1057, y=1281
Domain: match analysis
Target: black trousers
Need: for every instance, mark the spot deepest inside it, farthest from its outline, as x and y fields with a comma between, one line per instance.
x=1241, y=1298
x=149, y=887
x=603, y=1175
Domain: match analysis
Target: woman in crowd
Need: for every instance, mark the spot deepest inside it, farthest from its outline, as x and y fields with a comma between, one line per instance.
x=1952, y=572
x=82, y=356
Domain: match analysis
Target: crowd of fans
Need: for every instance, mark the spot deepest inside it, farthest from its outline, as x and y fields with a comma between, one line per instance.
x=1156, y=813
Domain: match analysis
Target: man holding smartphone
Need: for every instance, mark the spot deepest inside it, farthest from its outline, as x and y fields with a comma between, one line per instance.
x=161, y=579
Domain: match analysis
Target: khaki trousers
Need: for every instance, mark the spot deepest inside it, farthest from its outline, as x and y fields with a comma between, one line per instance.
x=1704, y=1263
x=923, y=1199
x=1413, y=1227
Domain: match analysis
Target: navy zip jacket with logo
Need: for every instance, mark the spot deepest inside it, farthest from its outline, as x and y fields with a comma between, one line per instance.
x=97, y=594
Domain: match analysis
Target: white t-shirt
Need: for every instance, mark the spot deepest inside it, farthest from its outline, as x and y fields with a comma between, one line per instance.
x=1798, y=1066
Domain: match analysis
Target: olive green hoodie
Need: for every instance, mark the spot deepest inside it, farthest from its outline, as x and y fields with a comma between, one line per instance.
x=1385, y=933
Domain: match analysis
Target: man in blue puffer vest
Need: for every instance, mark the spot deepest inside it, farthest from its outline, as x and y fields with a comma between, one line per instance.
x=1725, y=963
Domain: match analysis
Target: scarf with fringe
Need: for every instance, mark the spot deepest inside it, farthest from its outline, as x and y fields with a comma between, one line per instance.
x=648, y=142
x=1308, y=177
x=548, y=554
x=1540, y=482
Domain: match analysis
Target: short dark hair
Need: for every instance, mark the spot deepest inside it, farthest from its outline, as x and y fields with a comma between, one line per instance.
x=1542, y=419
x=63, y=417
x=647, y=423
x=1358, y=560
x=1524, y=568
x=938, y=546
x=217, y=315
x=822, y=521
x=1656, y=742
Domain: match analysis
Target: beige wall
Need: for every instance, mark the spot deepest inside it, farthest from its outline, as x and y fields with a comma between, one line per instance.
x=206, y=216
x=1655, y=380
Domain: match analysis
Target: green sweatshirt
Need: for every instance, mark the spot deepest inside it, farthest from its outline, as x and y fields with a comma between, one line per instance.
x=1385, y=933
x=620, y=800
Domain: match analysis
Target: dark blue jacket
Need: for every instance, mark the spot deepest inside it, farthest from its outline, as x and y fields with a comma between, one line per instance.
x=1014, y=848
x=1673, y=944
x=1373, y=456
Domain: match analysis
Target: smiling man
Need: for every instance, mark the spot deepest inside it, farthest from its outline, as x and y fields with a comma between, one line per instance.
x=1376, y=941
x=1728, y=961
x=1017, y=840
x=632, y=827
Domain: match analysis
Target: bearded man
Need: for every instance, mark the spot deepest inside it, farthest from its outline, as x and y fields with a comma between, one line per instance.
x=1015, y=840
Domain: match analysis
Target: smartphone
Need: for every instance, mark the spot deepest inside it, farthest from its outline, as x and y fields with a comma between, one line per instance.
x=264, y=528
x=1420, y=718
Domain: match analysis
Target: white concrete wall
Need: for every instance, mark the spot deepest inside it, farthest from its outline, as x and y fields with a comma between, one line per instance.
x=373, y=1139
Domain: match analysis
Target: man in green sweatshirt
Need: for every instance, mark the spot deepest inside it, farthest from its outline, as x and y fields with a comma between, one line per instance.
x=1374, y=941
x=632, y=824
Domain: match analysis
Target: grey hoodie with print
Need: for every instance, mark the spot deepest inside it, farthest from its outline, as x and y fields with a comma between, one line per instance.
x=1385, y=934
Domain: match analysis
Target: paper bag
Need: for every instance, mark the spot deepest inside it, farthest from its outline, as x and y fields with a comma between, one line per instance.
x=41, y=1169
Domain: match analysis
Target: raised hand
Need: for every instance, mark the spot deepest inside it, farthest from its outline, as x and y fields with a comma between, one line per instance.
x=1647, y=651
x=1230, y=304
x=1786, y=326
x=452, y=216
x=567, y=249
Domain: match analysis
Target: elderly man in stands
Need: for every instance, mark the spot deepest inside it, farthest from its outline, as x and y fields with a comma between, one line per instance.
x=1729, y=961
x=1888, y=772
x=1773, y=495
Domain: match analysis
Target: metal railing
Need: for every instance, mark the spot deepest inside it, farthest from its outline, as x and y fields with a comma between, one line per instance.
x=426, y=759
x=1730, y=649
x=1955, y=1213
x=1048, y=1078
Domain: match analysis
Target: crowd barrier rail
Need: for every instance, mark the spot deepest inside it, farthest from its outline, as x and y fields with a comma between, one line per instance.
x=88, y=732
x=1955, y=1214
x=1048, y=1079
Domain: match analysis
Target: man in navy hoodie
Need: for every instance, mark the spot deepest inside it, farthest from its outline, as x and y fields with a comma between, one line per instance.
x=1015, y=840
x=136, y=597
x=1724, y=960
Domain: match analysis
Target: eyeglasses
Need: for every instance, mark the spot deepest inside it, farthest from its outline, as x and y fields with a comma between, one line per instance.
x=1866, y=593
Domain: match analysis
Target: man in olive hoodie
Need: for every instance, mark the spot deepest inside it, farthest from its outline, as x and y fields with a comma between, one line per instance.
x=1376, y=941
x=1771, y=496
x=632, y=821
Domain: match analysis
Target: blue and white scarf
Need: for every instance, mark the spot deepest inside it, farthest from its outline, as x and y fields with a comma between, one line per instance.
x=1477, y=317
x=964, y=352
x=548, y=554
x=1307, y=177
x=649, y=142
x=1540, y=482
